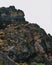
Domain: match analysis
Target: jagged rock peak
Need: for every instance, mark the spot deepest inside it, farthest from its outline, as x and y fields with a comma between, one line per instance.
x=10, y=15
x=11, y=10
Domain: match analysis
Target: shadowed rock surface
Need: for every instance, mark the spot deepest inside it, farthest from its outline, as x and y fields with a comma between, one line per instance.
x=23, y=42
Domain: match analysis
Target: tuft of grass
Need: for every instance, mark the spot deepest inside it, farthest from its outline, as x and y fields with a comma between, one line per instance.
x=1, y=62
x=35, y=63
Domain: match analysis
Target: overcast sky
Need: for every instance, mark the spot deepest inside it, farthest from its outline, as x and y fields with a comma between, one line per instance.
x=36, y=11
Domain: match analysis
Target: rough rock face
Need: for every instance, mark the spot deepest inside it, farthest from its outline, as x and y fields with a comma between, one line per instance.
x=24, y=43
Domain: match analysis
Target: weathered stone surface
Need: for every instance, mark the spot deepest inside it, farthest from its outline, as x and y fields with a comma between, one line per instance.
x=21, y=41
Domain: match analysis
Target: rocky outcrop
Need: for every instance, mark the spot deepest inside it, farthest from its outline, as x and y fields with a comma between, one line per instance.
x=24, y=42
